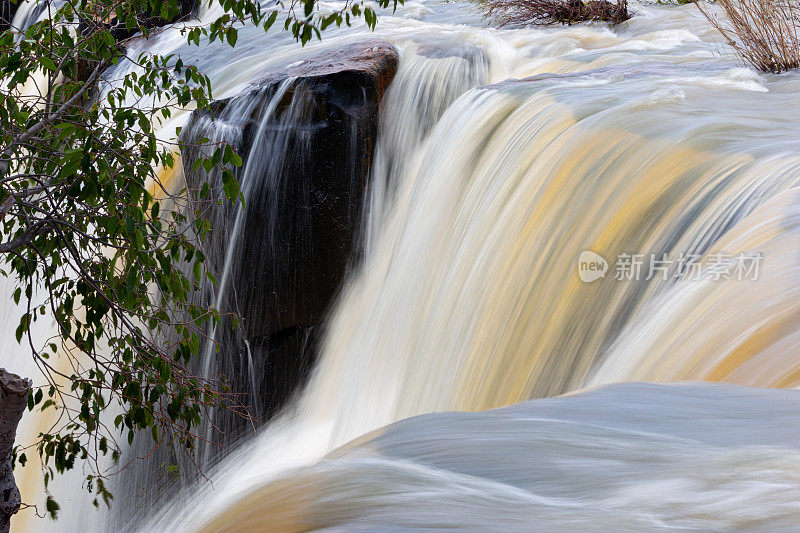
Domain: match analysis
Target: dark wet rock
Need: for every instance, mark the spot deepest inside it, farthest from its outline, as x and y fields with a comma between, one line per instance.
x=324, y=177
x=306, y=133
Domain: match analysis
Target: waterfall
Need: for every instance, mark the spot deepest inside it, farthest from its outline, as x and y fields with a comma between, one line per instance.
x=502, y=157
x=472, y=299
x=469, y=297
x=717, y=330
x=261, y=181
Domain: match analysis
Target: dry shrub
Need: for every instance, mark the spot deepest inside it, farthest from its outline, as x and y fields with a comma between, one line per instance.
x=545, y=12
x=764, y=33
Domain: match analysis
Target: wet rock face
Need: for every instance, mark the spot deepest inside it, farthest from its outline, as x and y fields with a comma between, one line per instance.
x=306, y=133
x=321, y=194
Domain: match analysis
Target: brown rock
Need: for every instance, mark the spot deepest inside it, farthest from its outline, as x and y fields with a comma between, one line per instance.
x=13, y=400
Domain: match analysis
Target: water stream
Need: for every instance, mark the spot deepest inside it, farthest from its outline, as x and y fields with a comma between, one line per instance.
x=503, y=155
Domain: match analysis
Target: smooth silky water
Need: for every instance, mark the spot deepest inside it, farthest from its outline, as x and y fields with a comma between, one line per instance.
x=502, y=155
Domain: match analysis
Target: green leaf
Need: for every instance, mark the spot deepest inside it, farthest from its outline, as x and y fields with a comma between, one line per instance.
x=270, y=20
x=232, y=35
x=52, y=507
x=48, y=63
x=231, y=188
x=196, y=268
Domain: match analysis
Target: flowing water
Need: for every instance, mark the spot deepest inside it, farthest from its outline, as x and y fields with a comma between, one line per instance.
x=659, y=461
x=503, y=155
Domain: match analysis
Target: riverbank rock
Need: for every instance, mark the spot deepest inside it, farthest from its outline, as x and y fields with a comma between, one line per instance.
x=13, y=400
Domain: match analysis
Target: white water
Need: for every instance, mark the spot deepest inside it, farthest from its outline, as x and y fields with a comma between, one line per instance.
x=659, y=461
x=469, y=297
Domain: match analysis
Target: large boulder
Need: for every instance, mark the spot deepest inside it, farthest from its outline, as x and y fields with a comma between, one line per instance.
x=290, y=276
x=306, y=133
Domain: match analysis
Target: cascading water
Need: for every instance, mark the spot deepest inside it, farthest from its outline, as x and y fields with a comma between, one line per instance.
x=635, y=141
x=470, y=298
x=752, y=342
x=276, y=130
